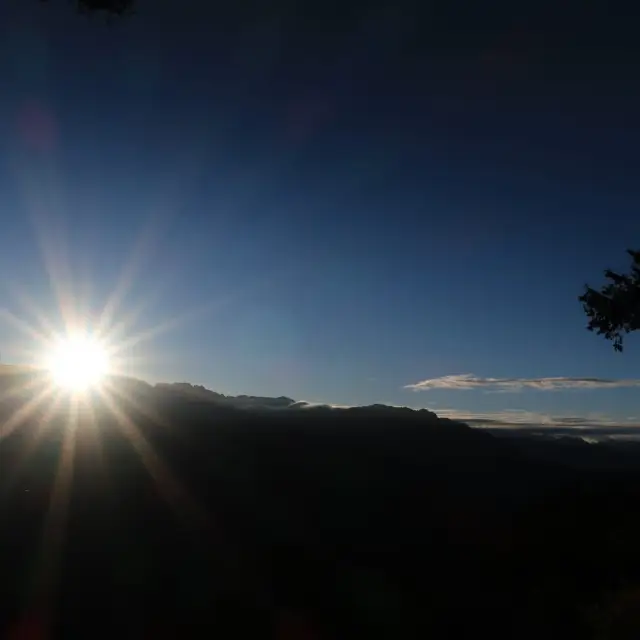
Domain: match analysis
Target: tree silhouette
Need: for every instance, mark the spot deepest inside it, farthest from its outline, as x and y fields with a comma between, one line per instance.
x=112, y=7
x=614, y=310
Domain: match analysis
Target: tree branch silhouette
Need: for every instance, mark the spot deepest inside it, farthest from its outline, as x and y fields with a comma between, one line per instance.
x=614, y=310
x=111, y=7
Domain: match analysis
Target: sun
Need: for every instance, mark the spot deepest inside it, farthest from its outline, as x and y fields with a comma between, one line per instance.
x=78, y=363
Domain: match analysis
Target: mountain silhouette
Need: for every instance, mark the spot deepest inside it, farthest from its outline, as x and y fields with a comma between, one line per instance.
x=172, y=508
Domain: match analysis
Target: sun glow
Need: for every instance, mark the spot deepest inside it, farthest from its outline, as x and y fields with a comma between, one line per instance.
x=78, y=363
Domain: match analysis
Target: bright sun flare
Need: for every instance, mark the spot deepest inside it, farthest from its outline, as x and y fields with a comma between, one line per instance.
x=78, y=363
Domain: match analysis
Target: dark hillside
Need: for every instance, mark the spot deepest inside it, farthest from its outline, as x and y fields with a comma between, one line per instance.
x=162, y=508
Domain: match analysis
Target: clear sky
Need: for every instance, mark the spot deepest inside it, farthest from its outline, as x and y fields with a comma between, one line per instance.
x=330, y=208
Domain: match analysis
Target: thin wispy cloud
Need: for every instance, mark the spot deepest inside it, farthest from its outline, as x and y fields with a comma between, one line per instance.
x=521, y=418
x=597, y=425
x=468, y=381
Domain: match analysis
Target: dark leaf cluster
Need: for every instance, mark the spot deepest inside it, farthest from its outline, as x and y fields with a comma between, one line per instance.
x=614, y=309
x=111, y=7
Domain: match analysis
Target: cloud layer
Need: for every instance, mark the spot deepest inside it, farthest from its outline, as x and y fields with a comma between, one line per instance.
x=522, y=418
x=596, y=425
x=467, y=381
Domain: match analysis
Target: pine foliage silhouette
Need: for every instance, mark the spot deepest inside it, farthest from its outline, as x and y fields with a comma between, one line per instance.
x=111, y=7
x=614, y=310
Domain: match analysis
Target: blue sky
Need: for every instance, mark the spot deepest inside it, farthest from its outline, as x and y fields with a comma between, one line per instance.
x=332, y=219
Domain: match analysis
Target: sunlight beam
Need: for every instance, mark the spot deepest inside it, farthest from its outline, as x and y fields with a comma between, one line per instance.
x=34, y=438
x=24, y=413
x=170, y=488
x=56, y=519
x=23, y=326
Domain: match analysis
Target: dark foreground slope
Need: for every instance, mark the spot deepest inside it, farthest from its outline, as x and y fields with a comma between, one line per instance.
x=157, y=512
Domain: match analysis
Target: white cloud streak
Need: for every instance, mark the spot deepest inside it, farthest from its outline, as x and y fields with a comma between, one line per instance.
x=593, y=425
x=466, y=381
x=519, y=418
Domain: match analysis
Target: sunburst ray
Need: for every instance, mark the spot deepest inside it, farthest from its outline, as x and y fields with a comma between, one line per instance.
x=169, y=486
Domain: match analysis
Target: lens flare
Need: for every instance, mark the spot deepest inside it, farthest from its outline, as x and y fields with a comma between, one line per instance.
x=78, y=363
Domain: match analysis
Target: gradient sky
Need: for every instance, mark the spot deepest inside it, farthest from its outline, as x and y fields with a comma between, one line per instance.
x=327, y=207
